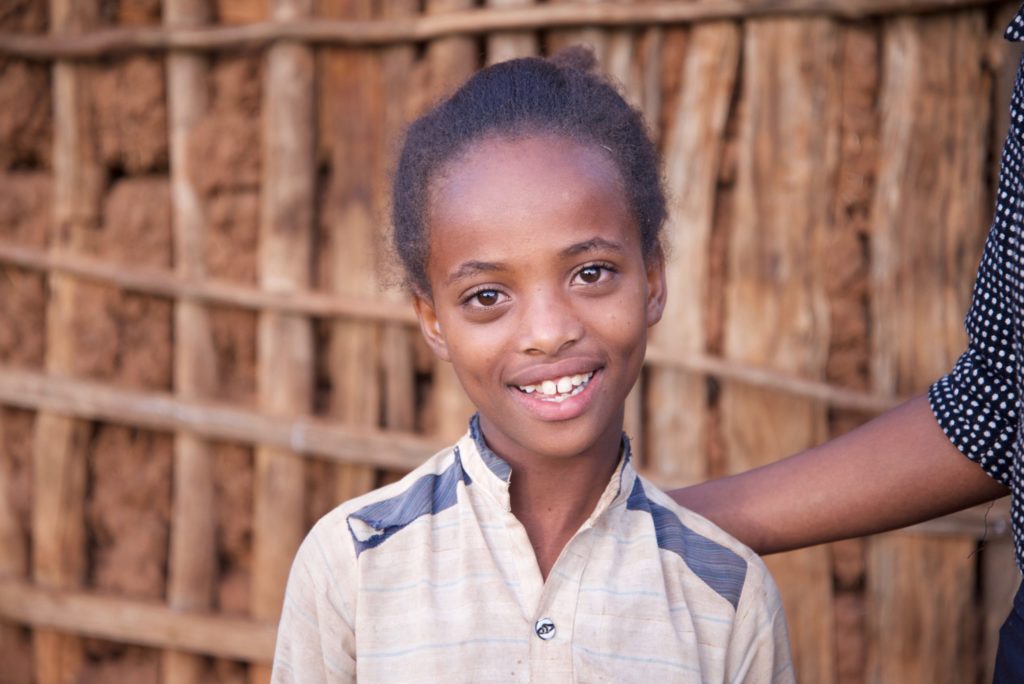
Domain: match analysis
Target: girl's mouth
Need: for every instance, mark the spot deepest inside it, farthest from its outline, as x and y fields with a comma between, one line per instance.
x=557, y=390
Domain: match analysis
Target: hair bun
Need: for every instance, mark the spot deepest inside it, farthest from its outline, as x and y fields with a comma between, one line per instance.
x=576, y=57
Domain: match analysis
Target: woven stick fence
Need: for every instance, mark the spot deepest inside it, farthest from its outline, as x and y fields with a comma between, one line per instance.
x=765, y=366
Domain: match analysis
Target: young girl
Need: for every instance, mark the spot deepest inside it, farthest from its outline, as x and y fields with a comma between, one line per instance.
x=527, y=212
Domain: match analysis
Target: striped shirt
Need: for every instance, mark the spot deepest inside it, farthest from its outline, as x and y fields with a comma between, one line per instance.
x=433, y=579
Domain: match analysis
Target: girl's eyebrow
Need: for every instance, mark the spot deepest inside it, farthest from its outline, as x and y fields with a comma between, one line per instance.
x=591, y=245
x=468, y=268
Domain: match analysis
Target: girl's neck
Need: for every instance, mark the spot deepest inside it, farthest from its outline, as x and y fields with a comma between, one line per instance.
x=553, y=497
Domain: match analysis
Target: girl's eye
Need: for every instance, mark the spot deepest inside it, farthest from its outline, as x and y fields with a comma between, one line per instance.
x=484, y=298
x=592, y=274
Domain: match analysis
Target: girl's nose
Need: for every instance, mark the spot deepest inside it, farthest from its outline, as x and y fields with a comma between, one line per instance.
x=549, y=324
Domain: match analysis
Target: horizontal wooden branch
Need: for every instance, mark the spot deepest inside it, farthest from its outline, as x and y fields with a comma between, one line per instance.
x=166, y=284
x=156, y=625
x=733, y=371
x=158, y=411
x=401, y=451
x=473, y=22
x=136, y=622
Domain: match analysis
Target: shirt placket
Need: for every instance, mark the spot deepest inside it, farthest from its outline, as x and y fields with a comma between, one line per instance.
x=554, y=619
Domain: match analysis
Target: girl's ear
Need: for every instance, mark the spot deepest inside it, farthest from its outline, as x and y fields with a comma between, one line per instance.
x=656, y=290
x=430, y=326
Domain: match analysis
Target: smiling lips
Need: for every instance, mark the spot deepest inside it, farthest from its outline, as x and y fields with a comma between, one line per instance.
x=558, y=389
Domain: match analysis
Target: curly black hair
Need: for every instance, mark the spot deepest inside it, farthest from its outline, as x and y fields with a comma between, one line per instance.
x=561, y=95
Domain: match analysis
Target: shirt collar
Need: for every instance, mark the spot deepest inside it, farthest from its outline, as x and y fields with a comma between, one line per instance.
x=494, y=474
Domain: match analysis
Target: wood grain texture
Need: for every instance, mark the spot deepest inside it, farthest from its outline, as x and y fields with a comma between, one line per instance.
x=1000, y=581
x=505, y=45
x=352, y=108
x=146, y=623
x=285, y=342
x=692, y=146
x=590, y=37
x=927, y=218
x=775, y=307
x=14, y=549
x=60, y=442
x=192, y=566
x=448, y=63
x=509, y=18
x=919, y=610
x=92, y=400
x=398, y=68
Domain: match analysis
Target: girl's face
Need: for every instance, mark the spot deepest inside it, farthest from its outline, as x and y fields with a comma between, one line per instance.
x=541, y=297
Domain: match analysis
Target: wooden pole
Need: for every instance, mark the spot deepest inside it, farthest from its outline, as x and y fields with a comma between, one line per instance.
x=193, y=555
x=397, y=64
x=776, y=305
x=352, y=109
x=928, y=222
x=132, y=621
x=208, y=291
x=376, y=308
x=448, y=62
x=13, y=550
x=591, y=36
x=692, y=149
x=505, y=45
x=508, y=17
x=285, y=342
x=156, y=411
x=59, y=450
x=13, y=547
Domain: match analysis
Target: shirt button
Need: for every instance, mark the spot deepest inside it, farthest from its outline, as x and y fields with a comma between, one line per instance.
x=545, y=628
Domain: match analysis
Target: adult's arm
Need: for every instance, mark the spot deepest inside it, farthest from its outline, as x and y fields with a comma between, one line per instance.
x=896, y=470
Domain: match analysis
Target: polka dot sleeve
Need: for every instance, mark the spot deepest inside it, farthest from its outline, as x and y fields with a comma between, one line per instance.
x=977, y=403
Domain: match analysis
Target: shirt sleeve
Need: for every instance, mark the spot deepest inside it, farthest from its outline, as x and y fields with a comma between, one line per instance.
x=316, y=634
x=975, y=403
x=758, y=651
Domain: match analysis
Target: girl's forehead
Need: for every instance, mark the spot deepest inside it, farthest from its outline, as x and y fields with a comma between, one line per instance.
x=514, y=172
x=527, y=198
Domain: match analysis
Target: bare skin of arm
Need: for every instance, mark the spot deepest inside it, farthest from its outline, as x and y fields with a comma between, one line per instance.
x=897, y=470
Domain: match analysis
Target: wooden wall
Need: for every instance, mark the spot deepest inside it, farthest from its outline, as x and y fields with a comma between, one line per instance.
x=200, y=351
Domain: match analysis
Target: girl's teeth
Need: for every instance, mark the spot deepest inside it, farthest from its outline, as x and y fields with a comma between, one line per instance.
x=561, y=388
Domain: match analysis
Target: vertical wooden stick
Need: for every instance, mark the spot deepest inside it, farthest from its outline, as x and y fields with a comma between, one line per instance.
x=193, y=562
x=13, y=549
x=692, y=148
x=594, y=38
x=510, y=44
x=776, y=307
x=352, y=105
x=928, y=205
x=633, y=61
x=285, y=342
x=449, y=62
x=59, y=456
x=397, y=65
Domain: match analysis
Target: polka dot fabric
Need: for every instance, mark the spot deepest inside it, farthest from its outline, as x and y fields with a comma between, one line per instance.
x=979, y=404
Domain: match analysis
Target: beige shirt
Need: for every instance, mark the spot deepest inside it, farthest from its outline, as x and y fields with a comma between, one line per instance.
x=432, y=579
